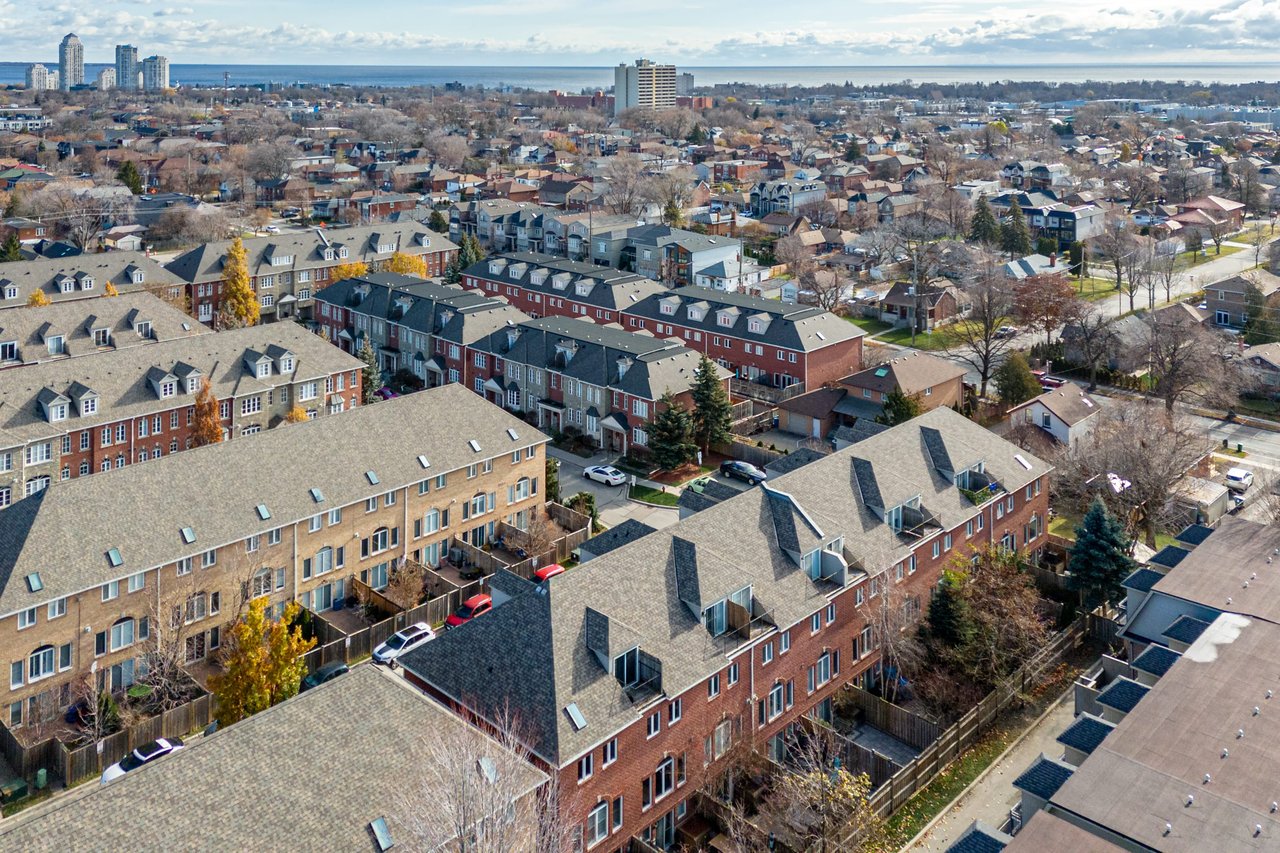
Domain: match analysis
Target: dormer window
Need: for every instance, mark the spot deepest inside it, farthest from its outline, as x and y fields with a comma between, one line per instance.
x=138, y=276
x=696, y=314
x=57, y=412
x=286, y=364
x=57, y=344
x=281, y=260
x=11, y=291
x=328, y=254
x=67, y=285
x=538, y=278
x=193, y=384
x=8, y=350
x=626, y=667
x=168, y=388
x=88, y=406
x=583, y=288
x=144, y=329
x=264, y=370
x=724, y=318
x=495, y=268
x=342, y=252
x=86, y=283
x=755, y=326
x=668, y=308
x=101, y=337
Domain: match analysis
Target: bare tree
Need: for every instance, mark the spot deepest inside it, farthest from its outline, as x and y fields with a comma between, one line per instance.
x=1113, y=246
x=893, y=621
x=624, y=192
x=1139, y=271
x=265, y=160
x=1089, y=329
x=978, y=340
x=479, y=794
x=406, y=584
x=1186, y=360
x=80, y=215
x=1164, y=272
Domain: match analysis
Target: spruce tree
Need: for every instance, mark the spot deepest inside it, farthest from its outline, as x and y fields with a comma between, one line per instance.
x=1014, y=380
x=949, y=623
x=983, y=227
x=1100, y=558
x=899, y=408
x=712, y=411
x=671, y=434
x=437, y=223
x=1014, y=236
x=12, y=249
x=853, y=150
x=370, y=376
x=128, y=175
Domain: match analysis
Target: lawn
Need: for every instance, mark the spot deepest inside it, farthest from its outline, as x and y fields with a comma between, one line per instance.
x=1064, y=526
x=901, y=336
x=1094, y=288
x=653, y=496
x=869, y=325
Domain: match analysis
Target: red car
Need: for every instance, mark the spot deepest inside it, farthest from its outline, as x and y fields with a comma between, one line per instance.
x=548, y=572
x=476, y=605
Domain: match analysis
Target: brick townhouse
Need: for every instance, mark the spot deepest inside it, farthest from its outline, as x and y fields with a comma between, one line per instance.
x=84, y=327
x=85, y=277
x=570, y=373
x=638, y=670
x=545, y=286
x=205, y=530
x=760, y=340
x=287, y=270
x=421, y=326
x=72, y=417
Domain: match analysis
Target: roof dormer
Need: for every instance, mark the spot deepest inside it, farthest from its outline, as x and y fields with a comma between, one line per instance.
x=65, y=284
x=136, y=274
x=560, y=281
x=727, y=317
x=189, y=377
x=283, y=359
x=53, y=405
x=584, y=286
x=84, y=398
x=624, y=364
x=163, y=383
x=258, y=364
x=497, y=265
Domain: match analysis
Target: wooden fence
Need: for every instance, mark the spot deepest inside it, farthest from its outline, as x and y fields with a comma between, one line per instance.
x=955, y=739
x=906, y=726
x=743, y=388
x=748, y=452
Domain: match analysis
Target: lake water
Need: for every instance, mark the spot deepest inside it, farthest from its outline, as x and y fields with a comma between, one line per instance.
x=573, y=79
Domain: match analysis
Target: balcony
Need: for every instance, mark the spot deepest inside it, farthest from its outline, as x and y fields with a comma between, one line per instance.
x=918, y=522
x=649, y=681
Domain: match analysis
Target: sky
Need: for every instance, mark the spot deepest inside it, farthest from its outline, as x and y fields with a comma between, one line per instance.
x=688, y=32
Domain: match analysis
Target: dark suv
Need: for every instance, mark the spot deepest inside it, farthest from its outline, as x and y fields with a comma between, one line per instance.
x=748, y=473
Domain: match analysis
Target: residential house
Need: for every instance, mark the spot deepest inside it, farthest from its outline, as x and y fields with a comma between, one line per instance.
x=895, y=207
x=1066, y=413
x=761, y=340
x=369, y=711
x=674, y=256
x=83, y=327
x=1033, y=265
x=1262, y=362
x=72, y=417
x=204, y=531
x=546, y=286
x=571, y=374
x=286, y=270
x=1018, y=173
x=26, y=230
x=977, y=188
x=925, y=306
x=1229, y=299
x=745, y=276
x=640, y=669
x=85, y=276
x=1048, y=176
x=736, y=171
x=1211, y=214
x=786, y=194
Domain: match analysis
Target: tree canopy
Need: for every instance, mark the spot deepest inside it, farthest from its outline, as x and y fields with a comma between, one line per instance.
x=406, y=264
x=1014, y=236
x=712, y=411
x=207, y=426
x=370, y=374
x=899, y=408
x=1014, y=380
x=671, y=434
x=1100, y=557
x=239, y=302
x=262, y=664
x=983, y=227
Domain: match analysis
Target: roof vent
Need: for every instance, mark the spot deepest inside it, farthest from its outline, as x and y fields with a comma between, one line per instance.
x=575, y=717
x=188, y=535
x=474, y=445
x=1239, y=733
x=317, y=495
x=1256, y=709
x=381, y=834
x=371, y=477
x=34, y=584
x=114, y=558
x=263, y=512
x=1225, y=754
x=424, y=461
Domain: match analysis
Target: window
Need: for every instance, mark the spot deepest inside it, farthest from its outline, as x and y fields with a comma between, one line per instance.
x=598, y=824
x=610, y=753
x=250, y=405
x=57, y=608
x=766, y=654
x=831, y=612
x=946, y=542
x=208, y=559
x=586, y=766
x=776, y=701
x=26, y=618
x=184, y=566
x=137, y=582
x=674, y=711
x=784, y=643
x=260, y=584
x=815, y=623
x=733, y=674
x=721, y=739
x=122, y=634
x=664, y=779
x=655, y=723
x=40, y=664
x=110, y=590
x=313, y=523
x=713, y=686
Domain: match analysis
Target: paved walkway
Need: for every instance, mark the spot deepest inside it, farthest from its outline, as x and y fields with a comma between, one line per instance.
x=990, y=798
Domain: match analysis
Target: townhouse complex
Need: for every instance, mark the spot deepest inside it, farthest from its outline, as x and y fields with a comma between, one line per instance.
x=72, y=417
x=758, y=339
x=562, y=371
x=198, y=534
x=641, y=668
x=85, y=277
x=286, y=270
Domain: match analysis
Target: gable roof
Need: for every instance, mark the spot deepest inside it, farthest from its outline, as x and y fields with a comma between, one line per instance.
x=910, y=374
x=1069, y=404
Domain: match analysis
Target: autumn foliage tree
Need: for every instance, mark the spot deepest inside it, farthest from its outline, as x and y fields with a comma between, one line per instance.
x=1044, y=302
x=37, y=299
x=406, y=264
x=262, y=662
x=239, y=302
x=207, y=428
x=352, y=269
x=296, y=415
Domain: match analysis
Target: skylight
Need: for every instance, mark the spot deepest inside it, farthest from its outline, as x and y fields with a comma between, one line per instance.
x=114, y=558
x=424, y=462
x=381, y=834
x=882, y=371
x=188, y=535
x=474, y=445
x=34, y=584
x=371, y=477
x=575, y=717
x=1022, y=461
x=317, y=495
x=263, y=512
x=514, y=435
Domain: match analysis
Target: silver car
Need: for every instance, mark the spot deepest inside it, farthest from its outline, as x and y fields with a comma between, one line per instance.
x=401, y=642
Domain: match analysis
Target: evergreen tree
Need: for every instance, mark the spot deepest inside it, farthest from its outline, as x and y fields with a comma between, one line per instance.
x=672, y=213
x=239, y=302
x=899, y=408
x=1100, y=558
x=949, y=619
x=697, y=136
x=1014, y=380
x=1014, y=236
x=370, y=376
x=453, y=270
x=983, y=227
x=853, y=150
x=553, y=479
x=437, y=222
x=712, y=411
x=671, y=434
x=1046, y=246
x=128, y=175
x=12, y=249
x=1079, y=259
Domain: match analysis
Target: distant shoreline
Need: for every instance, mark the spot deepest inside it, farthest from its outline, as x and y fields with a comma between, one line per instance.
x=576, y=78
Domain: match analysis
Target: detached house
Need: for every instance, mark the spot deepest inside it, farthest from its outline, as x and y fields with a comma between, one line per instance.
x=786, y=194
x=1228, y=300
x=641, y=669
x=1066, y=413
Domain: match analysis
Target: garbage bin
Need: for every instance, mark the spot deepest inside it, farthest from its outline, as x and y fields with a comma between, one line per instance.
x=42, y=779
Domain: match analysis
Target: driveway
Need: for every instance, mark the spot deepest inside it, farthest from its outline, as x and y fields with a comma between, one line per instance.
x=611, y=501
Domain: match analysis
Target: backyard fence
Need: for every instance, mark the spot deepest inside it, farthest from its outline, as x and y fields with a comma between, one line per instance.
x=743, y=388
x=748, y=452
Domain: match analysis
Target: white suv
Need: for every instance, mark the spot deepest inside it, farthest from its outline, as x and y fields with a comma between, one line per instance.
x=1239, y=479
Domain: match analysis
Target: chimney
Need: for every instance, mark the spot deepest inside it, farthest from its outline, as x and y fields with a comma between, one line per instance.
x=1053, y=259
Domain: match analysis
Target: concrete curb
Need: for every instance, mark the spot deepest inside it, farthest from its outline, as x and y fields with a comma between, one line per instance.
x=990, y=767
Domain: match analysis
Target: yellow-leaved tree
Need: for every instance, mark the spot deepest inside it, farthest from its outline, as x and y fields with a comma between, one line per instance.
x=261, y=663
x=207, y=428
x=37, y=299
x=239, y=302
x=405, y=265
x=351, y=269
x=296, y=415
x=110, y=290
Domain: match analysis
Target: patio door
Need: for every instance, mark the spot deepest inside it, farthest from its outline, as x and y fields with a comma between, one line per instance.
x=664, y=831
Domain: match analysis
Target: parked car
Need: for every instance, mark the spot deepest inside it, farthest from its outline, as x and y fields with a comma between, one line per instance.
x=744, y=471
x=606, y=474
x=328, y=672
x=548, y=572
x=401, y=641
x=1239, y=479
x=272, y=229
x=386, y=393
x=476, y=605
x=144, y=754
x=1046, y=381
x=1007, y=332
x=699, y=484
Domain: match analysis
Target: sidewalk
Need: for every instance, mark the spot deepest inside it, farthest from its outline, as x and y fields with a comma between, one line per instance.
x=990, y=798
